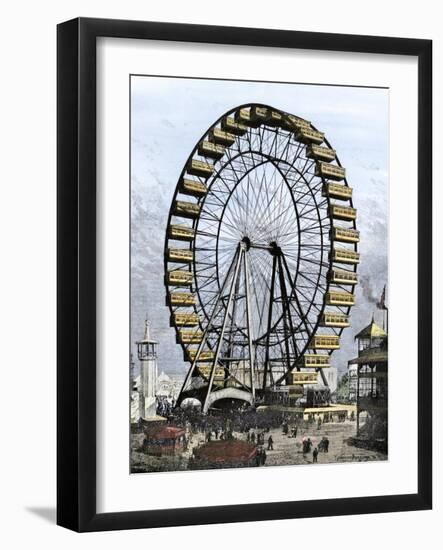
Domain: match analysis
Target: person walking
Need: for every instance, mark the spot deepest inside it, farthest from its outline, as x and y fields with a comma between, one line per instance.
x=258, y=456
x=270, y=443
x=314, y=455
x=326, y=444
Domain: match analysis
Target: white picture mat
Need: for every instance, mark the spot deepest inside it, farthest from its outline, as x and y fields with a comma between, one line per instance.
x=117, y=490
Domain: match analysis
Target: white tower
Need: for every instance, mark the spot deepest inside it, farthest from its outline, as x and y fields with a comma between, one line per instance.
x=147, y=355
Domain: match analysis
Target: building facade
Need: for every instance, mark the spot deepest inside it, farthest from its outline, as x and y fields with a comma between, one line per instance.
x=371, y=366
x=169, y=385
x=352, y=380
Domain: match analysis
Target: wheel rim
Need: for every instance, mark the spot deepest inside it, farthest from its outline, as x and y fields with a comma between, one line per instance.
x=266, y=193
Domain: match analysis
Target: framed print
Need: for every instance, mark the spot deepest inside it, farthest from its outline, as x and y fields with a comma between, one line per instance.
x=244, y=274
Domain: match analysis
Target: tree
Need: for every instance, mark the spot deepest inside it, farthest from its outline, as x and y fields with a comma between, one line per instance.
x=342, y=391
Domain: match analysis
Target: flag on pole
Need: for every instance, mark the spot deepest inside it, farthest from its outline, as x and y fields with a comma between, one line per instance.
x=381, y=304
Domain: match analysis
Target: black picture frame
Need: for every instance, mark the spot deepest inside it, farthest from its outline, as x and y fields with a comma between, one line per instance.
x=76, y=294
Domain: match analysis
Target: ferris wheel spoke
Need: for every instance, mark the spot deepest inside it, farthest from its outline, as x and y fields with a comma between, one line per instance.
x=233, y=221
x=308, y=300
x=258, y=271
x=288, y=208
x=248, y=137
x=237, y=210
x=211, y=251
x=286, y=222
x=229, y=225
x=309, y=251
x=315, y=208
x=302, y=315
x=289, y=233
x=314, y=262
x=262, y=307
x=287, y=318
x=274, y=142
x=264, y=290
x=297, y=150
x=229, y=203
x=244, y=205
x=256, y=297
x=305, y=189
x=285, y=149
x=265, y=209
x=313, y=284
x=265, y=228
x=214, y=197
x=314, y=225
x=314, y=246
x=257, y=188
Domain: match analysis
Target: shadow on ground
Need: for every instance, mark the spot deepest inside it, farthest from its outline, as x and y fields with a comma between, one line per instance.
x=46, y=513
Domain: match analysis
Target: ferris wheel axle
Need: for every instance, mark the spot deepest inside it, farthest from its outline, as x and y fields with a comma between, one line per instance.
x=273, y=247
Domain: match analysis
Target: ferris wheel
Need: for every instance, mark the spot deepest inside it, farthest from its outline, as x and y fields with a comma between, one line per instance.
x=260, y=256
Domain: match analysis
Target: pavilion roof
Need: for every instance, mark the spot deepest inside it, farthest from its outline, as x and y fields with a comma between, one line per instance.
x=225, y=451
x=371, y=331
x=160, y=431
x=370, y=355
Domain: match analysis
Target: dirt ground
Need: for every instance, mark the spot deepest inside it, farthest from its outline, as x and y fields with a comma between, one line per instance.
x=287, y=450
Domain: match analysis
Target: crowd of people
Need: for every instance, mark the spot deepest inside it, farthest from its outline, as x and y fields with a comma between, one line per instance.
x=253, y=427
x=261, y=439
x=220, y=434
x=165, y=405
x=260, y=456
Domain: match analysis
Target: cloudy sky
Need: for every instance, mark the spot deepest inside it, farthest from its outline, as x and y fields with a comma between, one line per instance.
x=168, y=117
